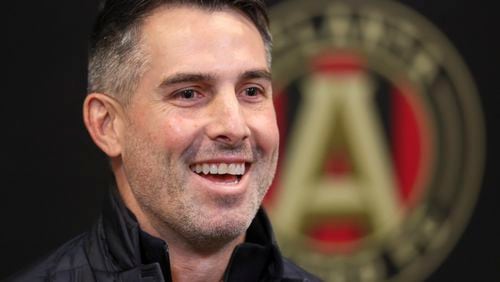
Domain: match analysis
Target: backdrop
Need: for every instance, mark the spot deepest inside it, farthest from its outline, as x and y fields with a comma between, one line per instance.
x=54, y=178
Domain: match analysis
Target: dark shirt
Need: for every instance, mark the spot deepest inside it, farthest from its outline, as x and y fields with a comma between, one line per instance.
x=116, y=249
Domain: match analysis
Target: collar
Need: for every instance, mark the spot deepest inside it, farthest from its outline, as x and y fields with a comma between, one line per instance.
x=134, y=251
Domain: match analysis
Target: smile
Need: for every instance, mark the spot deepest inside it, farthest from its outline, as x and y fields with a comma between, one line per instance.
x=221, y=168
x=228, y=173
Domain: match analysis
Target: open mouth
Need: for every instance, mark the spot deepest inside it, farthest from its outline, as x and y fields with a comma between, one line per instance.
x=226, y=173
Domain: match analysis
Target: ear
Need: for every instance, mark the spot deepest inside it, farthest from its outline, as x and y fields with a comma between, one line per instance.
x=103, y=117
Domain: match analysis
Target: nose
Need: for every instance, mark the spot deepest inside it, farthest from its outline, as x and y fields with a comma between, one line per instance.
x=228, y=123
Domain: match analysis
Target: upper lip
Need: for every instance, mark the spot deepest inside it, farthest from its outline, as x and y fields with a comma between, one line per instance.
x=227, y=160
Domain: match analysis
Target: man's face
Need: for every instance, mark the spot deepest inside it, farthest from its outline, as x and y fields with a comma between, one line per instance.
x=201, y=140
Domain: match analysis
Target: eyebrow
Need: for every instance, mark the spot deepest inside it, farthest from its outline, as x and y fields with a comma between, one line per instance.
x=186, y=77
x=202, y=77
x=256, y=74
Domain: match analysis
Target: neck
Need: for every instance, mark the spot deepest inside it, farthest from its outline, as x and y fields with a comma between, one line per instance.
x=191, y=265
x=194, y=262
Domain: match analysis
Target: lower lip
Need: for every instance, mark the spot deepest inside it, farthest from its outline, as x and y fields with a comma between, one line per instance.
x=223, y=188
x=224, y=179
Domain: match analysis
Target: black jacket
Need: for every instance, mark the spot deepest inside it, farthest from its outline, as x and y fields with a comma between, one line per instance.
x=117, y=250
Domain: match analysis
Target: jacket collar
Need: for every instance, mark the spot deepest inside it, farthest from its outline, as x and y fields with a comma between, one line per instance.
x=124, y=247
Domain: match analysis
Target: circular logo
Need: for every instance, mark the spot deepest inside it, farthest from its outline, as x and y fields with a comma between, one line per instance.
x=382, y=140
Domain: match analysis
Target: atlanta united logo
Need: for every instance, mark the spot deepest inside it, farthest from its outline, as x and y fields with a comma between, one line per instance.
x=382, y=135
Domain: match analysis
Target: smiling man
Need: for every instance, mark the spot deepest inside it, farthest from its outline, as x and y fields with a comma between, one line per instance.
x=180, y=100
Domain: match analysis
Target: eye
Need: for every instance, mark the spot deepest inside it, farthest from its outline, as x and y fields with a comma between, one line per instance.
x=252, y=91
x=187, y=94
x=187, y=97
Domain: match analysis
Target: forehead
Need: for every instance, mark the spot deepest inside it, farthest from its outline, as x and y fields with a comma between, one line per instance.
x=190, y=35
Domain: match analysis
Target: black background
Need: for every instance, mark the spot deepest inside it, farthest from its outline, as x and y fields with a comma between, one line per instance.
x=54, y=179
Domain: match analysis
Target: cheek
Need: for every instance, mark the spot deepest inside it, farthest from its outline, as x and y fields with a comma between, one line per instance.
x=178, y=133
x=265, y=128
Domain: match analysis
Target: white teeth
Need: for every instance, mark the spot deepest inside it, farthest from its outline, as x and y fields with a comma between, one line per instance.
x=213, y=169
x=206, y=168
x=198, y=168
x=221, y=168
x=231, y=169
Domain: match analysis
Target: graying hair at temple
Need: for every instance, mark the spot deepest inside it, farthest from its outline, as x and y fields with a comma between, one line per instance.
x=116, y=59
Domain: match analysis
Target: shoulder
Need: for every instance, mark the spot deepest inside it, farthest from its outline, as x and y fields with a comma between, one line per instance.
x=294, y=272
x=60, y=265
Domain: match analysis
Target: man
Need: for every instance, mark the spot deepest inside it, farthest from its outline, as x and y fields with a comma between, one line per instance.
x=180, y=101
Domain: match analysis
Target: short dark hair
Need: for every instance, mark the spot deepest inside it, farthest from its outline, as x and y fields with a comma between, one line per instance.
x=116, y=60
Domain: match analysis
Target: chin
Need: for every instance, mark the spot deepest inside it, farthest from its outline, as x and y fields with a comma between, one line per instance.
x=216, y=232
x=227, y=221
